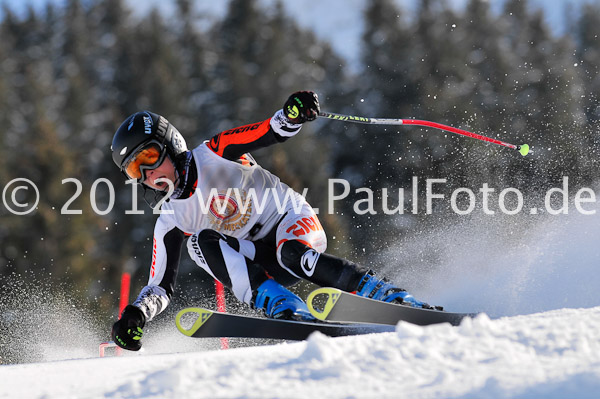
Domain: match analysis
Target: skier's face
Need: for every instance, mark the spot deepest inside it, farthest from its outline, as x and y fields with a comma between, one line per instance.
x=166, y=171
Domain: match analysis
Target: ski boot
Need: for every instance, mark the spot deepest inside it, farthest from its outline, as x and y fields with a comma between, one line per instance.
x=278, y=302
x=382, y=290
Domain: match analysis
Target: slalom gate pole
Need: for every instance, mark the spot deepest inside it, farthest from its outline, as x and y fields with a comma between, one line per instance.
x=124, y=297
x=220, y=295
x=523, y=148
x=123, y=301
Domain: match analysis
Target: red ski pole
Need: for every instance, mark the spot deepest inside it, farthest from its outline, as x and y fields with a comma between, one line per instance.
x=523, y=148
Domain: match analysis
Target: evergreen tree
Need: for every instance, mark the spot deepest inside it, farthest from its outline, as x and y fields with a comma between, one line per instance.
x=586, y=33
x=70, y=74
x=376, y=157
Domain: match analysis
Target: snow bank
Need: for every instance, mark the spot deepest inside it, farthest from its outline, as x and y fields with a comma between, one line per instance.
x=502, y=265
x=554, y=354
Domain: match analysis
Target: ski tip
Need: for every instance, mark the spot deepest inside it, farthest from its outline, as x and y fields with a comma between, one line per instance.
x=332, y=295
x=202, y=317
x=524, y=149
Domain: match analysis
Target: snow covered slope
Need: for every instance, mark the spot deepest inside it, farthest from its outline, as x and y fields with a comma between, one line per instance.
x=538, y=281
x=555, y=354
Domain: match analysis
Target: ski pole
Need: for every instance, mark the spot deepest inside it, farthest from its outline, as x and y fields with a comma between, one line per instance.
x=523, y=148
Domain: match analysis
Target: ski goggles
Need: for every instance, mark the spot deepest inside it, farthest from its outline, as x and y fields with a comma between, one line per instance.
x=147, y=157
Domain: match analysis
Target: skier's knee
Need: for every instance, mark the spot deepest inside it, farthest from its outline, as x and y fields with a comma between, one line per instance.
x=207, y=235
x=203, y=242
x=290, y=253
x=298, y=258
x=209, y=238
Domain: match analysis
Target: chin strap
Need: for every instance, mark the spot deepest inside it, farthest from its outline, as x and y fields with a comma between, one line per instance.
x=182, y=171
x=155, y=196
x=182, y=179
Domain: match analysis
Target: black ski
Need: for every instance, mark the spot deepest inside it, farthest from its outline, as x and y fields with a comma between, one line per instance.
x=342, y=306
x=213, y=324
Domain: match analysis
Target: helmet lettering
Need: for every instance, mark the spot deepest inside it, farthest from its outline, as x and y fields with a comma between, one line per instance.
x=147, y=125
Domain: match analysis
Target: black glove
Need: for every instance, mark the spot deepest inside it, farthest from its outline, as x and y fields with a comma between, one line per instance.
x=127, y=331
x=302, y=106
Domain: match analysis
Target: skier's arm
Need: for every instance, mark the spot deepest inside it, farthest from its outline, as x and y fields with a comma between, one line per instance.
x=155, y=297
x=299, y=108
x=166, y=252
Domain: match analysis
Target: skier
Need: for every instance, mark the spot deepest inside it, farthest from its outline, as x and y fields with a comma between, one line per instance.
x=246, y=228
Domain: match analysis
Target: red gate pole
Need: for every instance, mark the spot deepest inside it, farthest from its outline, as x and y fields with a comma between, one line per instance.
x=220, y=294
x=123, y=299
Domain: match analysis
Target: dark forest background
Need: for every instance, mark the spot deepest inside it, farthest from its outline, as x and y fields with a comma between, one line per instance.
x=70, y=75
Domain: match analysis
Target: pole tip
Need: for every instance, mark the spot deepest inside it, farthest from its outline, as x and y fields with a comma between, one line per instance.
x=524, y=149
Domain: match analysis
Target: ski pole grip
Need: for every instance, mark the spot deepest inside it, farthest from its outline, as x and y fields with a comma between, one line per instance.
x=332, y=294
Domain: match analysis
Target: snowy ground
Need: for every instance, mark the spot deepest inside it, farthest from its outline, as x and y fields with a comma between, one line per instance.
x=537, y=281
x=555, y=354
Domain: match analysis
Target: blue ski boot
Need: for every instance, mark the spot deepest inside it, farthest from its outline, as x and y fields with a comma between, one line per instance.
x=279, y=303
x=382, y=290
